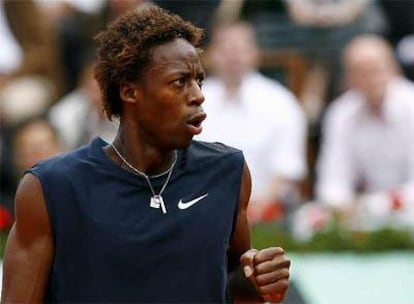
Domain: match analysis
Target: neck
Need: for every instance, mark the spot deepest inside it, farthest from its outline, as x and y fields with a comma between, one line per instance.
x=232, y=84
x=142, y=156
x=375, y=103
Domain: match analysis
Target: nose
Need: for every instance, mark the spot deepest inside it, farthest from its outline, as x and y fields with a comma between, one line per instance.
x=195, y=96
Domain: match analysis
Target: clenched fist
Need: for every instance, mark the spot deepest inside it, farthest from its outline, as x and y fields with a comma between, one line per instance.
x=268, y=269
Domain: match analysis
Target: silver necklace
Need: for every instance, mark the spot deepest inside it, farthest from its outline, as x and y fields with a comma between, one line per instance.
x=156, y=200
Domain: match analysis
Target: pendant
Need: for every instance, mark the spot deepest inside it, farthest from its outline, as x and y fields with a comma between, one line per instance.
x=156, y=202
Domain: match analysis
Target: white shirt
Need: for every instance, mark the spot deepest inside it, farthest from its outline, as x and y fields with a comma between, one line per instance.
x=78, y=122
x=360, y=148
x=266, y=123
x=10, y=51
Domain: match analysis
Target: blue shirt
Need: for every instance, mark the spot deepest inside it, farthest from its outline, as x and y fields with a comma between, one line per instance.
x=111, y=246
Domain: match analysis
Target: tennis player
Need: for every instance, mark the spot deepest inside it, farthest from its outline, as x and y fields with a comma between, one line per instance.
x=153, y=216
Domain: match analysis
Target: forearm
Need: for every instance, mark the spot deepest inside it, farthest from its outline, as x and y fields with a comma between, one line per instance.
x=25, y=271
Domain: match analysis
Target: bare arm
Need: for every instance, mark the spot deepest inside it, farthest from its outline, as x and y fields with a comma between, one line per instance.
x=240, y=241
x=242, y=289
x=266, y=270
x=29, y=248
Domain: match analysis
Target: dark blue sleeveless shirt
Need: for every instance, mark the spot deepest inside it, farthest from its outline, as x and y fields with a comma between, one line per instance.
x=111, y=247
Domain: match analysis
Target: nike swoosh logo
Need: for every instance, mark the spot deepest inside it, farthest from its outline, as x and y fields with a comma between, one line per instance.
x=184, y=205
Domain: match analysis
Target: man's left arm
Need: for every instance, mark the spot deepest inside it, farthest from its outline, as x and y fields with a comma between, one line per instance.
x=267, y=270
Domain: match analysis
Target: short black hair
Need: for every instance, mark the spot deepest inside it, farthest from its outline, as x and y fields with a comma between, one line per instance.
x=125, y=46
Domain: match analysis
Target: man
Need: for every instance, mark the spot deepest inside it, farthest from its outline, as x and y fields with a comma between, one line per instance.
x=257, y=115
x=33, y=140
x=366, y=166
x=154, y=216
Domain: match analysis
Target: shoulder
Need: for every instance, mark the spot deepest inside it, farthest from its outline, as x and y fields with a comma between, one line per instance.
x=347, y=105
x=205, y=149
x=402, y=90
x=272, y=95
x=201, y=154
x=404, y=86
x=269, y=85
x=29, y=198
x=62, y=164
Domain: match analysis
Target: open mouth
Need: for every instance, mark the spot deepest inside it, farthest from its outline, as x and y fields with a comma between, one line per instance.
x=196, y=121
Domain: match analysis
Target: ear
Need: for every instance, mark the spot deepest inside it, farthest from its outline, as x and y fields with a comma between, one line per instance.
x=130, y=92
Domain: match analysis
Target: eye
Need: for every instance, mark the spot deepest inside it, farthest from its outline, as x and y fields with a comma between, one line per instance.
x=179, y=83
x=200, y=81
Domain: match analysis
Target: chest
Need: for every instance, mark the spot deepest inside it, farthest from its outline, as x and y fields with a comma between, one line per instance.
x=380, y=143
x=199, y=218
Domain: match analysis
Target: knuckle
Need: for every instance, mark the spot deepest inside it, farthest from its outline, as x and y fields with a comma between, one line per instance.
x=279, y=250
x=275, y=250
x=285, y=261
x=283, y=284
x=285, y=274
x=248, y=255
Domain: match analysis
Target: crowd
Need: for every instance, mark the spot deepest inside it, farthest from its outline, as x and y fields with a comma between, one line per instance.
x=342, y=146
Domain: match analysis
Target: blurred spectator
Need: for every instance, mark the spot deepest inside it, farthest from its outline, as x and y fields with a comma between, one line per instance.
x=256, y=114
x=29, y=70
x=77, y=22
x=366, y=166
x=303, y=40
x=326, y=26
x=75, y=29
x=33, y=139
x=29, y=79
x=79, y=116
x=54, y=7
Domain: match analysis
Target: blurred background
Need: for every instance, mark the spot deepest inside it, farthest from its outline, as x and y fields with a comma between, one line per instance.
x=317, y=93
